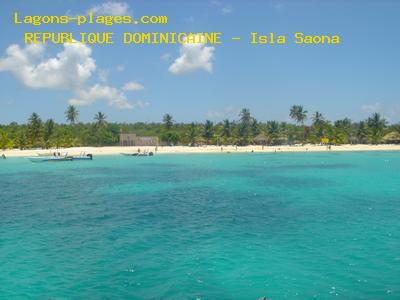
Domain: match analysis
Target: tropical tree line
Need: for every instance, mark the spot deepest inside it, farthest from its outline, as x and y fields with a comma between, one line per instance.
x=245, y=130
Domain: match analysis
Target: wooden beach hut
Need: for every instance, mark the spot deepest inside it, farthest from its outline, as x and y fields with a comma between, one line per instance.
x=131, y=139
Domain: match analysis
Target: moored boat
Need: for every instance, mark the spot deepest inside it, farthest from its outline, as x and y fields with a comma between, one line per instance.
x=138, y=154
x=49, y=159
x=130, y=154
x=146, y=154
x=82, y=157
x=60, y=158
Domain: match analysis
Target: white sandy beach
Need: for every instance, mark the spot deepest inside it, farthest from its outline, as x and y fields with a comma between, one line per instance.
x=116, y=150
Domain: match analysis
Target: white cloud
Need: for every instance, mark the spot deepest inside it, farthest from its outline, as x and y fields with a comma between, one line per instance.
x=103, y=75
x=111, y=95
x=133, y=86
x=372, y=108
x=140, y=104
x=166, y=56
x=226, y=10
x=112, y=8
x=70, y=14
x=227, y=112
x=120, y=68
x=68, y=70
x=193, y=56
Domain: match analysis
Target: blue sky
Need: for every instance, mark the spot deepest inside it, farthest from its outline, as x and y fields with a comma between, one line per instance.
x=353, y=79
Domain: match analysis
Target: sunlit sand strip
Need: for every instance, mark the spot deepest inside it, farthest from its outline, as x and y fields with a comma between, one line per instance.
x=116, y=150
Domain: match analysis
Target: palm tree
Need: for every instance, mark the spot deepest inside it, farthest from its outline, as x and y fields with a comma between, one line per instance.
x=100, y=119
x=34, y=129
x=298, y=114
x=226, y=128
x=344, y=124
x=273, y=130
x=192, y=134
x=245, y=116
x=244, y=129
x=376, y=125
x=71, y=114
x=208, y=131
x=255, y=130
x=317, y=118
x=168, y=121
x=48, y=132
x=362, y=132
x=21, y=140
x=318, y=124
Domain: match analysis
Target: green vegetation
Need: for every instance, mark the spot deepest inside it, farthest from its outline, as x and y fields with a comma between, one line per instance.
x=71, y=114
x=244, y=131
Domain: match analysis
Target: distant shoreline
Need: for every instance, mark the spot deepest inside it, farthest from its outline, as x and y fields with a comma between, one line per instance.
x=115, y=150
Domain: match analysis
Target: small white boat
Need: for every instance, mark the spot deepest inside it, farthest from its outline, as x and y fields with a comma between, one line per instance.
x=55, y=158
x=49, y=159
x=138, y=154
x=130, y=154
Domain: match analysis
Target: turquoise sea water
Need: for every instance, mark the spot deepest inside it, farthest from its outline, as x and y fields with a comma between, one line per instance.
x=211, y=226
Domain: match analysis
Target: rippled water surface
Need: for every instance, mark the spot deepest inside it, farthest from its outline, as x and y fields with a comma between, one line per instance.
x=212, y=226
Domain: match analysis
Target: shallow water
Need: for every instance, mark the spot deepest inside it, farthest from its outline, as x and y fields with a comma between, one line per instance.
x=209, y=226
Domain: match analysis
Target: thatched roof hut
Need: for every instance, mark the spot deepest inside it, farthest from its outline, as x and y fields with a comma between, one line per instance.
x=392, y=138
x=261, y=139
